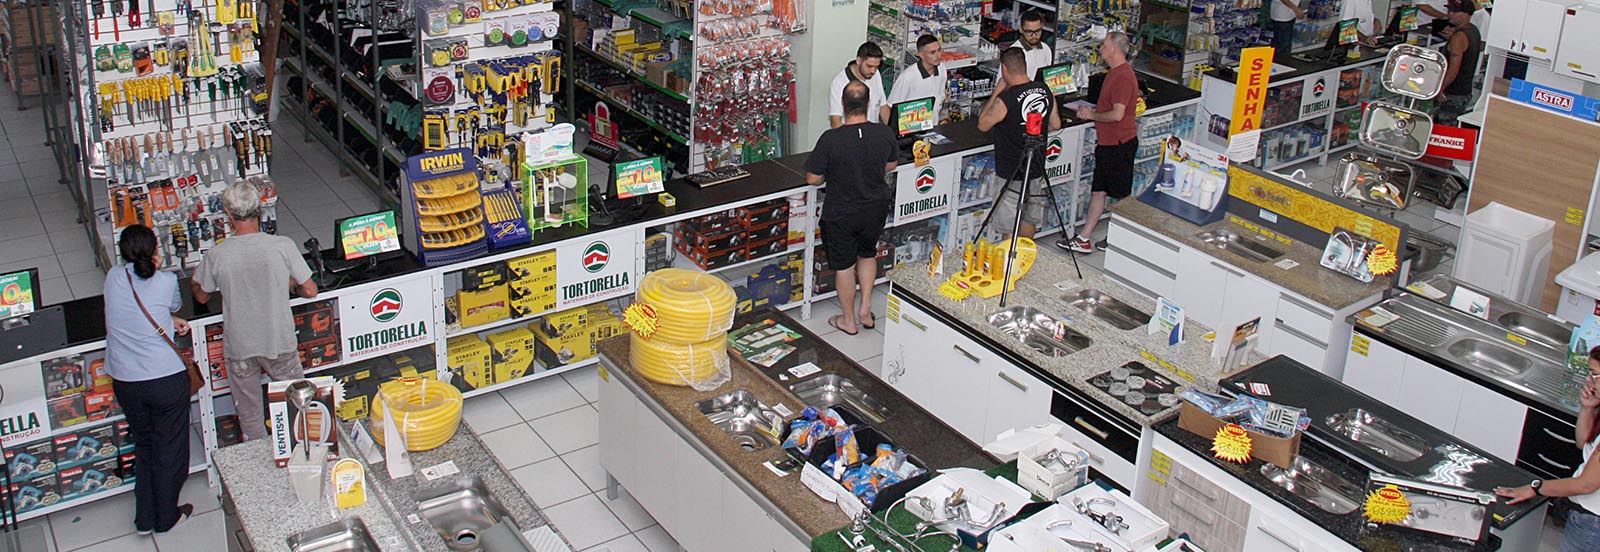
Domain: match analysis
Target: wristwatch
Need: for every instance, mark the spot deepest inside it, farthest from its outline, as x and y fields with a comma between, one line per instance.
x=1536, y=484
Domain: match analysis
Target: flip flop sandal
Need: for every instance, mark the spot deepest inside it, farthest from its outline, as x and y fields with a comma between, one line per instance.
x=834, y=321
x=873, y=322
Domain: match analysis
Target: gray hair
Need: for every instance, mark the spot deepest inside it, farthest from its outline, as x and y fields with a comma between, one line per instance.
x=242, y=201
x=1121, y=41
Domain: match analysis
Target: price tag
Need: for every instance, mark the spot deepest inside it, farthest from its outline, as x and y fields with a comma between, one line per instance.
x=1574, y=216
x=1519, y=340
x=1232, y=443
x=804, y=369
x=1360, y=344
x=1387, y=505
x=642, y=319
x=446, y=469
x=1382, y=260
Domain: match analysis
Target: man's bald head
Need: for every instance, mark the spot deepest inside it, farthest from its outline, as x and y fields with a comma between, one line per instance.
x=856, y=97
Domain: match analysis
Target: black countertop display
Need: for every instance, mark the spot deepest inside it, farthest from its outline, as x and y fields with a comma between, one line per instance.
x=1555, y=407
x=1348, y=527
x=1299, y=67
x=910, y=426
x=1294, y=384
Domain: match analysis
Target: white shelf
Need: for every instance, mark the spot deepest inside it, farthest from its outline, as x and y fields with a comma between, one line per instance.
x=682, y=261
x=974, y=203
x=197, y=463
x=537, y=376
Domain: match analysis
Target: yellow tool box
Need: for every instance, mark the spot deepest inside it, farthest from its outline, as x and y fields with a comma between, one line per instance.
x=491, y=304
x=469, y=358
x=512, y=353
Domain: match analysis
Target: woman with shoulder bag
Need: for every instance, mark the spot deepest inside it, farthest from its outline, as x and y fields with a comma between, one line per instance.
x=150, y=378
x=1578, y=497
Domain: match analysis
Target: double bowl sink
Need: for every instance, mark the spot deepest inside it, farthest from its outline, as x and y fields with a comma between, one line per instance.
x=463, y=512
x=1254, y=248
x=1535, y=363
x=1328, y=491
x=754, y=425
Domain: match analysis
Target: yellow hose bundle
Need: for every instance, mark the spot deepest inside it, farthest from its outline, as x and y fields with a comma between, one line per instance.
x=693, y=307
x=426, y=411
x=702, y=365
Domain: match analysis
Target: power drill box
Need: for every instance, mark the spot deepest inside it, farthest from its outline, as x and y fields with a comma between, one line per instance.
x=467, y=358
x=512, y=353
x=81, y=447
x=285, y=421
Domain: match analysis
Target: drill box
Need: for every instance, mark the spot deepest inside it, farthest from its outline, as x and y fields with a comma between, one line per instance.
x=713, y=222
x=99, y=379
x=35, y=493
x=313, y=321
x=69, y=482
x=574, y=319
x=359, y=382
x=511, y=353
x=484, y=276
x=528, y=266
x=532, y=296
x=767, y=248
x=101, y=404
x=712, y=240
x=764, y=213
x=711, y=261
x=74, y=449
x=764, y=232
x=123, y=437
x=468, y=359
x=31, y=459
x=576, y=342
x=102, y=474
x=484, y=306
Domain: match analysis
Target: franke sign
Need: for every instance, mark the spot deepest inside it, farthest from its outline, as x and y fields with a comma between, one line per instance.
x=595, y=269
x=387, y=320
x=926, y=191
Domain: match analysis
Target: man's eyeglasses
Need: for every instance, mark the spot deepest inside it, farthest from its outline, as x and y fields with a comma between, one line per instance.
x=1033, y=32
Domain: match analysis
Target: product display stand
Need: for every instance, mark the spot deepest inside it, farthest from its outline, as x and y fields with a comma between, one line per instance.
x=1034, y=146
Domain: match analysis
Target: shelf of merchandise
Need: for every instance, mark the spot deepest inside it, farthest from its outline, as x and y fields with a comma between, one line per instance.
x=568, y=367
x=961, y=32
x=680, y=261
x=198, y=462
x=674, y=94
x=626, y=108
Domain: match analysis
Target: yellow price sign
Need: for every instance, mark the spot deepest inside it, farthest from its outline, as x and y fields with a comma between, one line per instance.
x=1517, y=339
x=1360, y=344
x=642, y=319
x=1382, y=260
x=1574, y=215
x=1232, y=443
x=1387, y=505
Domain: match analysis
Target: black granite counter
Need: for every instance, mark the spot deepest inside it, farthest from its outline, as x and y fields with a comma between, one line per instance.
x=1301, y=65
x=1348, y=527
x=1448, y=462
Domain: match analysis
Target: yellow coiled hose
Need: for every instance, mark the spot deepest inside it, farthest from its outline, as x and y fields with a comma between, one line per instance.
x=693, y=307
x=427, y=411
x=696, y=365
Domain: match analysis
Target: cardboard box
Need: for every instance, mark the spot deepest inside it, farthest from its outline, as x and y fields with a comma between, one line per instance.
x=284, y=420
x=511, y=352
x=467, y=358
x=532, y=265
x=482, y=277
x=124, y=438
x=1042, y=481
x=102, y=474
x=36, y=493
x=576, y=341
x=482, y=307
x=31, y=459
x=1275, y=450
x=101, y=404
x=532, y=296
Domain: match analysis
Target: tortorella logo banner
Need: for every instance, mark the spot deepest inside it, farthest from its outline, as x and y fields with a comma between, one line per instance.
x=925, y=180
x=1052, y=151
x=386, y=305
x=596, y=256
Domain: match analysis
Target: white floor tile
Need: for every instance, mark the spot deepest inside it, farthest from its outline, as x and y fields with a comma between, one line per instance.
x=586, y=463
x=24, y=248
x=197, y=491
x=657, y=540
x=488, y=412
x=628, y=543
x=874, y=364
x=570, y=430
x=129, y=543
x=820, y=313
x=95, y=522
x=87, y=284
x=862, y=346
x=202, y=532
x=628, y=510
x=77, y=261
x=72, y=240
x=540, y=398
x=49, y=267
x=516, y=446
x=550, y=483
x=586, y=380
x=34, y=534
x=585, y=522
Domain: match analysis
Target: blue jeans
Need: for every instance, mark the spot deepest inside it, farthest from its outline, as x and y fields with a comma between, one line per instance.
x=1582, y=533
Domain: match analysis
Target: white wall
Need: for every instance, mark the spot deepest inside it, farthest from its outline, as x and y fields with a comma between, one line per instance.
x=837, y=27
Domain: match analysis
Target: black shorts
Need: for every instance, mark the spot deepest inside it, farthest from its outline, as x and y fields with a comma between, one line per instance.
x=1113, y=169
x=852, y=236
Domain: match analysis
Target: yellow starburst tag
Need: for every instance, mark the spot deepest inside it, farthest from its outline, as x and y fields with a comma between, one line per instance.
x=1387, y=505
x=1381, y=261
x=1232, y=443
x=920, y=151
x=642, y=319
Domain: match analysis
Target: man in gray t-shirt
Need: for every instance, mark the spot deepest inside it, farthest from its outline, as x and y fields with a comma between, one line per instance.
x=254, y=272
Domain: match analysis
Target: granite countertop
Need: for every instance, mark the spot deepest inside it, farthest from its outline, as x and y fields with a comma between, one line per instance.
x=1044, y=288
x=1309, y=279
x=269, y=513
x=1348, y=527
x=912, y=428
x=1448, y=460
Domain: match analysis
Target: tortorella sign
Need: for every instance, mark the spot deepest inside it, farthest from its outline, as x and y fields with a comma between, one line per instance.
x=589, y=271
x=387, y=326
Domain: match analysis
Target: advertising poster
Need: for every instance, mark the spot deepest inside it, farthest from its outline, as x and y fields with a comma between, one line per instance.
x=1059, y=79
x=369, y=235
x=595, y=269
x=1249, y=101
x=16, y=294
x=387, y=319
x=24, y=415
x=915, y=116
x=639, y=177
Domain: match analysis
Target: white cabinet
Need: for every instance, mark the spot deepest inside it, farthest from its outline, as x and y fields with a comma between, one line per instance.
x=1527, y=27
x=1204, y=289
x=909, y=364
x=1374, y=367
x=1016, y=399
x=1431, y=394
x=1142, y=258
x=965, y=384
x=1490, y=421
x=1281, y=530
x=1250, y=298
x=1579, y=53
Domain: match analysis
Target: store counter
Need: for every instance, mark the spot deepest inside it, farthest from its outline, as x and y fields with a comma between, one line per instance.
x=710, y=492
x=263, y=513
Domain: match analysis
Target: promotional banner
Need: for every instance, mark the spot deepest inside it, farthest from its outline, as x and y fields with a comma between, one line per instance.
x=1317, y=98
x=388, y=319
x=597, y=268
x=369, y=235
x=639, y=177
x=1453, y=142
x=927, y=191
x=1249, y=100
x=1061, y=155
x=1555, y=99
x=16, y=294
x=23, y=414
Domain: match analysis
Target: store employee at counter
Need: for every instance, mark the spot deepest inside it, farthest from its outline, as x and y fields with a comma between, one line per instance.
x=863, y=69
x=927, y=81
x=1367, y=25
x=1581, y=492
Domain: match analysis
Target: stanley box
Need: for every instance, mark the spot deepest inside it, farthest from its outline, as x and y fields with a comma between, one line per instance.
x=1276, y=450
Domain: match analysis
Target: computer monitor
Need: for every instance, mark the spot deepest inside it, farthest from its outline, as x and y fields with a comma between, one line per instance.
x=1346, y=32
x=1058, y=78
x=914, y=116
x=639, y=177
x=371, y=235
x=19, y=293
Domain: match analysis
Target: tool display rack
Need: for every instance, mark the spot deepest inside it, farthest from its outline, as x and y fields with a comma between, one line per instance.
x=156, y=133
x=1076, y=19
x=663, y=108
x=895, y=25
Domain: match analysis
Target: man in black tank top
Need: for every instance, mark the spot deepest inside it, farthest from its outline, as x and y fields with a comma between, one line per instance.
x=1005, y=117
x=1462, y=50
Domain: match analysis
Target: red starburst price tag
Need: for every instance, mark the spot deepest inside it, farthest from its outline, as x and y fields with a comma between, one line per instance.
x=1232, y=443
x=642, y=319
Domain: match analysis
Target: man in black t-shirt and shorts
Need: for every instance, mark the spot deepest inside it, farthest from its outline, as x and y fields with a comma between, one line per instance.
x=1005, y=117
x=853, y=160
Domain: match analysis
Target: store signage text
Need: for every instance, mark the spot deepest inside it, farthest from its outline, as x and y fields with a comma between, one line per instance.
x=585, y=272
x=381, y=338
x=386, y=326
x=20, y=426
x=597, y=285
x=1554, y=99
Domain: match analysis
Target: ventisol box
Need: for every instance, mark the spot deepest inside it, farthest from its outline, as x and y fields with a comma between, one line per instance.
x=594, y=269
x=387, y=319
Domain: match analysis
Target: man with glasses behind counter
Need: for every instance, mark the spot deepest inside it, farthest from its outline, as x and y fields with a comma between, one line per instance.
x=1034, y=50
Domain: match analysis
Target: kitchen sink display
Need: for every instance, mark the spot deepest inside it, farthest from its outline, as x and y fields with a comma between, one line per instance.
x=345, y=535
x=834, y=390
x=1377, y=434
x=1139, y=387
x=1315, y=484
x=467, y=517
x=751, y=423
x=1039, y=331
x=1105, y=307
x=1253, y=248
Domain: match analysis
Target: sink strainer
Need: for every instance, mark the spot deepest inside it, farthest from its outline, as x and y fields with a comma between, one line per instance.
x=467, y=537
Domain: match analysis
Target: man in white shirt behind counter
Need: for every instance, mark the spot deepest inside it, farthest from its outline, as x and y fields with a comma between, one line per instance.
x=928, y=80
x=1034, y=50
x=869, y=57
x=1368, y=26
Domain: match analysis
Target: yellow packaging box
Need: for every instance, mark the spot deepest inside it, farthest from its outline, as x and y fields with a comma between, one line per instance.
x=528, y=266
x=468, y=357
x=485, y=306
x=558, y=324
x=577, y=341
x=511, y=352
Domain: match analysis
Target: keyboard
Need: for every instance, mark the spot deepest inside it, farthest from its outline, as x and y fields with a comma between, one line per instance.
x=720, y=175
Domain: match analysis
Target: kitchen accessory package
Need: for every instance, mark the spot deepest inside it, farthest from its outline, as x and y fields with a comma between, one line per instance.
x=1459, y=514
x=1346, y=253
x=286, y=420
x=1191, y=182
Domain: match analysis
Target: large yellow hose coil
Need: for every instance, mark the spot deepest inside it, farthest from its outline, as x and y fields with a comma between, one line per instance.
x=693, y=307
x=427, y=411
x=693, y=364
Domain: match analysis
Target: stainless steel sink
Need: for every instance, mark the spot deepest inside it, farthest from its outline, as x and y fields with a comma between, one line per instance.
x=1039, y=331
x=1377, y=434
x=1535, y=326
x=751, y=423
x=1253, y=248
x=835, y=390
x=345, y=535
x=467, y=517
x=1109, y=309
x=1315, y=484
x=1489, y=357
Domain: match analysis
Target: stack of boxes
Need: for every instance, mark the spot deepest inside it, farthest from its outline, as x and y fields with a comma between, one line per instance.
x=516, y=288
x=533, y=283
x=477, y=363
x=484, y=298
x=69, y=465
x=736, y=235
x=316, y=329
x=573, y=334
